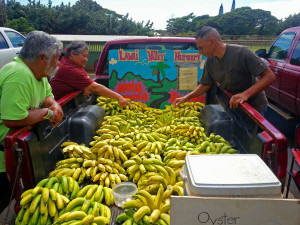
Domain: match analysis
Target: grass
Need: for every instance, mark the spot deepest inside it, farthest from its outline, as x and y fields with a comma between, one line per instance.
x=256, y=47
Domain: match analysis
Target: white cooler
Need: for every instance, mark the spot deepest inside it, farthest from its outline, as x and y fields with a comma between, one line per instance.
x=229, y=175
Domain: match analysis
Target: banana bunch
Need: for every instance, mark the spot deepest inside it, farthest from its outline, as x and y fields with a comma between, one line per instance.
x=196, y=106
x=96, y=193
x=149, y=209
x=106, y=150
x=176, y=165
x=180, y=144
x=109, y=131
x=191, y=120
x=180, y=112
x=110, y=106
x=84, y=211
x=166, y=176
x=138, y=167
x=66, y=186
x=136, y=106
x=104, y=171
x=188, y=132
x=178, y=154
x=72, y=149
x=40, y=205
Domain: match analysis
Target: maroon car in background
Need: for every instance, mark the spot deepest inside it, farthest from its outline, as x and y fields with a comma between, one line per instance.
x=283, y=58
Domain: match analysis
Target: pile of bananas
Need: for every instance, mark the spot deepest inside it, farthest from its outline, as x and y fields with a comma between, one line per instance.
x=40, y=206
x=148, y=209
x=145, y=145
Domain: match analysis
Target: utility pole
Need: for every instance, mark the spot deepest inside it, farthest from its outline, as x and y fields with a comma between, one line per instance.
x=3, y=16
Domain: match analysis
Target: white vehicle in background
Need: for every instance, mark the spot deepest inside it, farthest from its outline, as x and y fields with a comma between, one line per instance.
x=11, y=43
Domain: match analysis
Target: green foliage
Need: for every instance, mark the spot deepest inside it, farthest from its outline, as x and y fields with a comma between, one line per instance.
x=290, y=21
x=241, y=21
x=21, y=25
x=84, y=17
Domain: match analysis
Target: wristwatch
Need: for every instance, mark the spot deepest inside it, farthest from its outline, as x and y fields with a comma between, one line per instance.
x=49, y=115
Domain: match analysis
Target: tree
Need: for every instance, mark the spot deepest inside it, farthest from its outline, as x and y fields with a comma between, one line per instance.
x=290, y=21
x=21, y=24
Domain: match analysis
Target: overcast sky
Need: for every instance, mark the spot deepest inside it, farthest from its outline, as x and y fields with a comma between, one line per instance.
x=159, y=11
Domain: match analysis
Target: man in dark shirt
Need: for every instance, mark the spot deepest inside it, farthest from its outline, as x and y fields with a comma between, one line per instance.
x=235, y=67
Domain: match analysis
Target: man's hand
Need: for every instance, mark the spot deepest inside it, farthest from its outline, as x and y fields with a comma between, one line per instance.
x=87, y=93
x=236, y=100
x=179, y=101
x=57, y=115
x=123, y=102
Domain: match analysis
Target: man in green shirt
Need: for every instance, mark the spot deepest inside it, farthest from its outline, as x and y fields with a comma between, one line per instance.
x=25, y=94
x=235, y=67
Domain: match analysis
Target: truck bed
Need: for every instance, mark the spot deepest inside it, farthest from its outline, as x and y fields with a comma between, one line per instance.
x=39, y=146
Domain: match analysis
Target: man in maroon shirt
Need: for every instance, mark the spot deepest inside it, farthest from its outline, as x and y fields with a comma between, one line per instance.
x=71, y=75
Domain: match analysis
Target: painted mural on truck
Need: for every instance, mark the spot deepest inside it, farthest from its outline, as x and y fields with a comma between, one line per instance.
x=155, y=77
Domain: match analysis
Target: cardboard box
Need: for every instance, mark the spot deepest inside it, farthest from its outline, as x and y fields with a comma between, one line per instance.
x=190, y=210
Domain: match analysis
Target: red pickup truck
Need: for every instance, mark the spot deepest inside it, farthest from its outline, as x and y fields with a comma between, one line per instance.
x=283, y=58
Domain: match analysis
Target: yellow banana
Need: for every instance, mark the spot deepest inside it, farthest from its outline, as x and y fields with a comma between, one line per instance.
x=34, y=204
x=91, y=191
x=134, y=204
x=88, y=220
x=86, y=205
x=179, y=190
x=133, y=168
x=171, y=175
x=52, y=207
x=37, y=190
x=148, y=198
x=45, y=194
x=164, y=172
x=77, y=215
x=168, y=192
x=75, y=202
x=25, y=200
x=159, y=197
x=76, y=174
x=144, y=210
x=98, y=193
x=107, y=196
x=165, y=217
x=27, y=192
x=165, y=208
x=43, y=207
x=154, y=215
x=84, y=190
x=59, y=201
x=101, y=220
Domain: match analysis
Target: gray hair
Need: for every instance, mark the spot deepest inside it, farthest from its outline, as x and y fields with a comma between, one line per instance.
x=76, y=46
x=207, y=32
x=39, y=42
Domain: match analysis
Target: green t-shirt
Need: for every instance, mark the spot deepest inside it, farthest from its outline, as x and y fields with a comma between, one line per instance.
x=236, y=71
x=19, y=92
